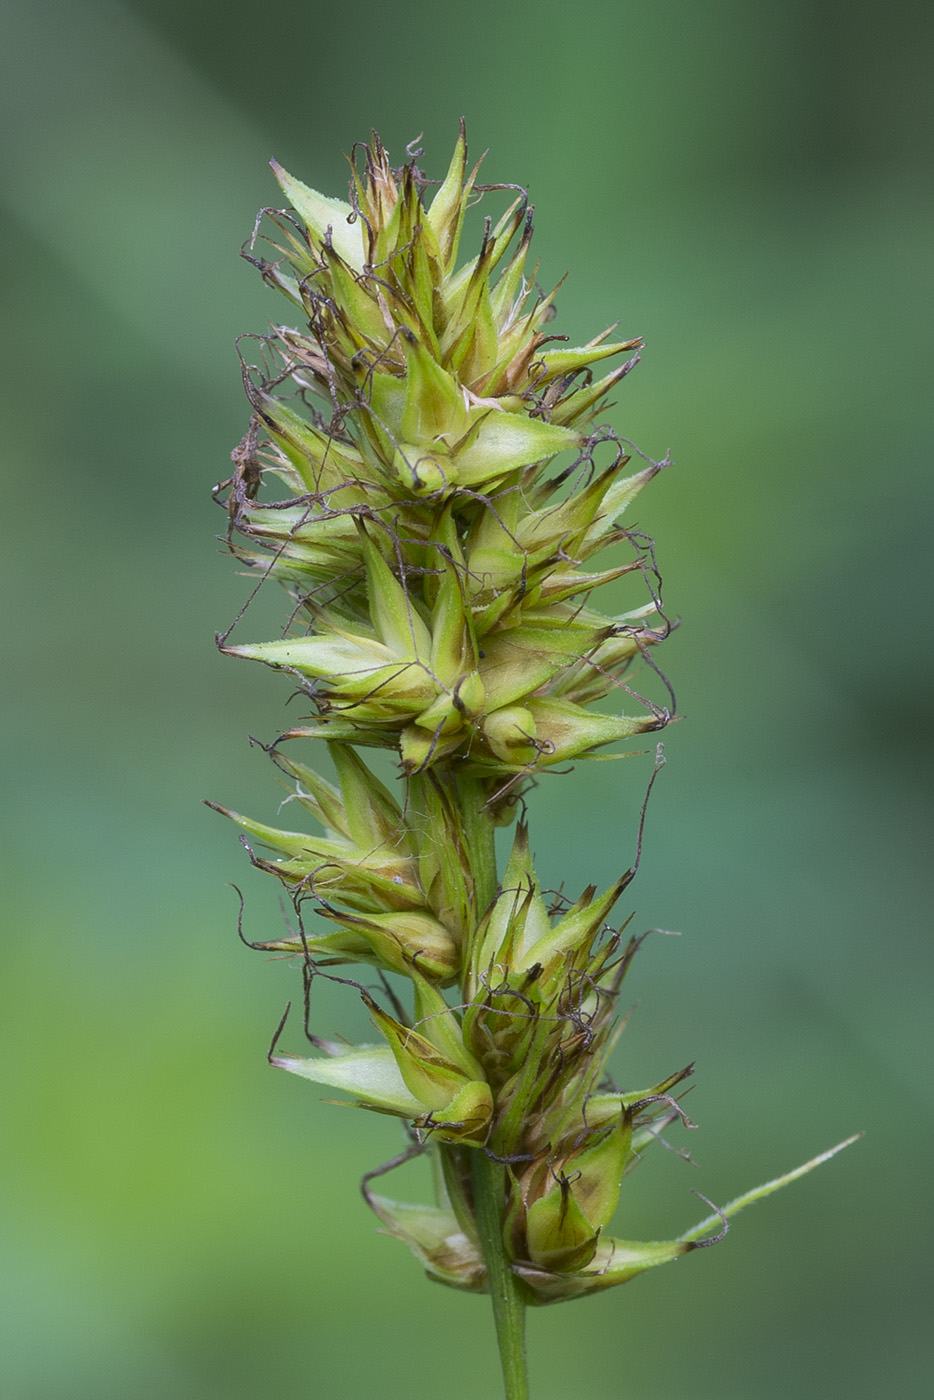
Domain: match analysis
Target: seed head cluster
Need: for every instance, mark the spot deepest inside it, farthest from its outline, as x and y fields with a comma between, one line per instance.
x=423, y=475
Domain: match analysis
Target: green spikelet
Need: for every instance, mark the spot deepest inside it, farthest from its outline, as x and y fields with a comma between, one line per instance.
x=423, y=475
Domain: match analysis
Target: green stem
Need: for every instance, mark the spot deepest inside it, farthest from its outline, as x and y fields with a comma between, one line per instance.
x=489, y=1186
x=489, y=1177
x=480, y=833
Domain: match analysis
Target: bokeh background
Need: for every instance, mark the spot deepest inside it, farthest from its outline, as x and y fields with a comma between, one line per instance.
x=745, y=185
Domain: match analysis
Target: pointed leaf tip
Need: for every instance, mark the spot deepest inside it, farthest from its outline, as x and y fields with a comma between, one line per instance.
x=324, y=217
x=758, y=1193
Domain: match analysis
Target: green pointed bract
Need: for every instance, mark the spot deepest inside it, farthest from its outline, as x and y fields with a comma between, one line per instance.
x=321, y=462
x=454, y=649
x=357, y=674
x=519, y=660
x=434, y=407
x=436, y=1239
x=345, y=946
x=458, y=1108
x=623, y=492
x=560, y=1237
x=446, y=212
x=568, y=730
x=565, y=523
x=605, y=1108
x=573, y=936
x=423, y=476
x=428, y=1073
x=443, y=859
x=373, y=817
x=571, y=361
x=435, y=1020
x=397, y=624
x=321, y=214
x=759, y=1193
x=500, y=442
x=322, y=799
x=369, y=1073
x=597, y=1172
x=511, y=733
x=421, y=749
x=363, y=318
x=401, y=942
x=323, y=657
x=368, y=879
x=613, y=1262
x=517, y=919
x=466, y=1118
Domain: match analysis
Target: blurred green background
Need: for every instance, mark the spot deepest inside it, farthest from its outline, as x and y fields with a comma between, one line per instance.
x=745, y=185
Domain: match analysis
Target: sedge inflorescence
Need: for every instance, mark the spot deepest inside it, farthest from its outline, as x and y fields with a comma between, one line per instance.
x=423, y=475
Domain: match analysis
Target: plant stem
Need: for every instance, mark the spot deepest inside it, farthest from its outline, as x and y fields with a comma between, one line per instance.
x=480, y=833
x=489, y=1186
x=489, y=1177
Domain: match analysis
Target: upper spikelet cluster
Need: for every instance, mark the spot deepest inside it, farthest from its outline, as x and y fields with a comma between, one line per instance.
x=435, y=564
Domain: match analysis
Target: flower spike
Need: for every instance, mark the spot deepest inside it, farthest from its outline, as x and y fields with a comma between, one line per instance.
x=424, y=476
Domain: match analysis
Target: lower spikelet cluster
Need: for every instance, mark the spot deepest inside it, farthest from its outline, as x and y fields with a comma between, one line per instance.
x=422, y=475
